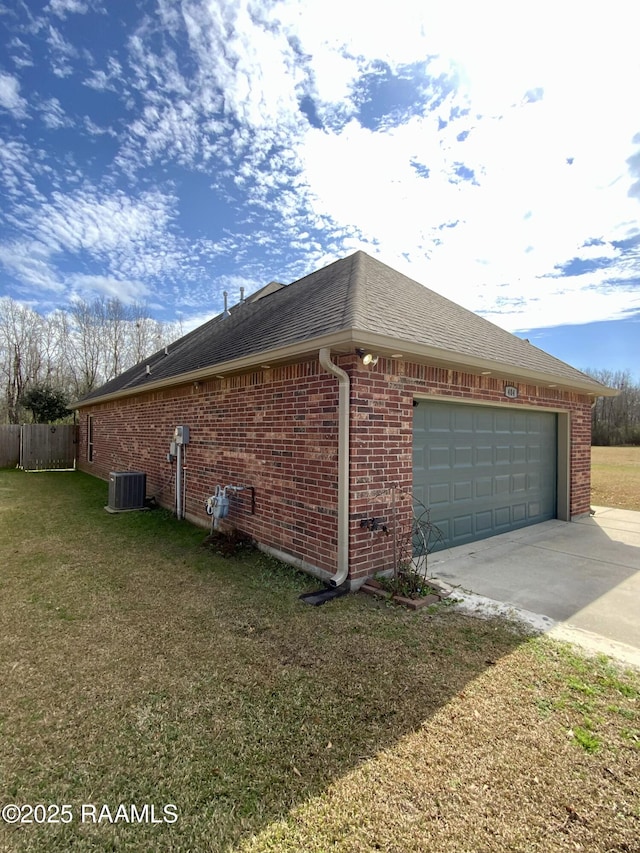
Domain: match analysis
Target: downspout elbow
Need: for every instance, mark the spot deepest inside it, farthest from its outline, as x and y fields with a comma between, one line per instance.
x=344, y=390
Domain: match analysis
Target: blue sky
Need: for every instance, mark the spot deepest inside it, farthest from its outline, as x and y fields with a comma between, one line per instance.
x=167, y=151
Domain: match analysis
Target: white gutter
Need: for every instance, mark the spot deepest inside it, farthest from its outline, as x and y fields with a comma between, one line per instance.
x=344, y=391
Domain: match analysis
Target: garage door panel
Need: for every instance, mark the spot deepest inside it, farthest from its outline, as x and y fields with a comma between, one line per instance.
x=445, y=529
x=439, y=493
x=484, y=455
x=519, y=454
x=519, y=482
x=419, y=495
x=534, y=454
x=483, y=470
x=462, y=526
x=519, y=423
x=484, y=522
x=518, y=513
x=502, y=422
x=503, y=454
x=536, y=422
x=439, y=457
x=484, y=422
x=463, y=490
x=501, y=484
x=483, y=487
x=462, y=420
x=439, y=421
x=462, y=457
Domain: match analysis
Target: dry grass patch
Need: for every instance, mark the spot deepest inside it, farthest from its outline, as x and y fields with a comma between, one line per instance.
x=138, y=667
x=500, y=767
x=615, y=477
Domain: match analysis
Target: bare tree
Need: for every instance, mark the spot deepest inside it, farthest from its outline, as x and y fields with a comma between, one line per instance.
x=72, y=351
x=147, y=335
x=616, y=420
x=87, y=344
x=144, y=337
x=63, y=371
x=117, y=320
x=107, y=337
x=21, y=358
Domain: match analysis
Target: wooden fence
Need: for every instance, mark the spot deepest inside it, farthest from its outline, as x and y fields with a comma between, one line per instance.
x=10, y=445
x=38, y=447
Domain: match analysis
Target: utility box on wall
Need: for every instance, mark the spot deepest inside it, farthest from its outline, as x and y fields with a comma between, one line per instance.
x=181, y=435
x=127, y=490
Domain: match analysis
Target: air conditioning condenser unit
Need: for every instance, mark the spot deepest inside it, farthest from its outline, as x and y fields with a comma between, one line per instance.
x=127, y=491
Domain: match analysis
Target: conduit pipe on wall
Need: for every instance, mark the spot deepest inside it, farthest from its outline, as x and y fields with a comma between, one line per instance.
x=179, y=481
x=344, y=391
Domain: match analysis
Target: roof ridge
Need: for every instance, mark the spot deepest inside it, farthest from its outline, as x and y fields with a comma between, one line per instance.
x=357, y=289
x=357, y=283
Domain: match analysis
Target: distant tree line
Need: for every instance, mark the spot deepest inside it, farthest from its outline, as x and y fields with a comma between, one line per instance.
x=616, y=420
x=49, y=361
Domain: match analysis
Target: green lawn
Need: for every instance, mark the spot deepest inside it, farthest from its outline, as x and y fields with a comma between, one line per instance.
x=137, y=667
x=615, y=477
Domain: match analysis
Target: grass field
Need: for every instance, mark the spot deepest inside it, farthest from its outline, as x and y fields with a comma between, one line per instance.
x=615, y=477
x=136, y=667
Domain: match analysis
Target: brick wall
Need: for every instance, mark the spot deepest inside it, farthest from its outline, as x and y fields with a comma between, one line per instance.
x=274, y=430
x=277, y=431
x=381, y=469
x=580, y=456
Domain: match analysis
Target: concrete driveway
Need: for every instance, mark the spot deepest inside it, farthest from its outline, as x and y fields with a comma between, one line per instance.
x=579, y=581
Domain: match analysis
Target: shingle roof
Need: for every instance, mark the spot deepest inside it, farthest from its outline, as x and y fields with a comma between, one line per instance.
x=358, y=295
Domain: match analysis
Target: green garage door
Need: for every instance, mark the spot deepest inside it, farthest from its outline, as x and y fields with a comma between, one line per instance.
x=483, y=470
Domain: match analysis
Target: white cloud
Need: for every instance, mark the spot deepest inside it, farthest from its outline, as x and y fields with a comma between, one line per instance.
x=53, y=114
x=10, y=98
x=551, y=171
x=539, y=108
x=62, y=8
x=573, y=304
x=99, y=80
x=61, y=52
x=20, y=53
x=30, y=264
x=130, y=238
x=99, y=222
x=127, y=291
x=20, y=169
x=242, y=96
x=95, y=130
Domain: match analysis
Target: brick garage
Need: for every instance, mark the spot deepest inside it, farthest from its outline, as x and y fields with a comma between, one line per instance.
x=263, y=411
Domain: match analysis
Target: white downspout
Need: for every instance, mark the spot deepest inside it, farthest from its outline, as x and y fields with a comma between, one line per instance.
x=344, y=390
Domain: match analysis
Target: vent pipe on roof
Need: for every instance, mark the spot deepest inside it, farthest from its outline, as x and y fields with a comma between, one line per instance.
x=225, y=313
x=241, y=295
x=148, y=370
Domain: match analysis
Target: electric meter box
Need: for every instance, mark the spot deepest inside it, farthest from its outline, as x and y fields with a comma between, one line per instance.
x=181, y=435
